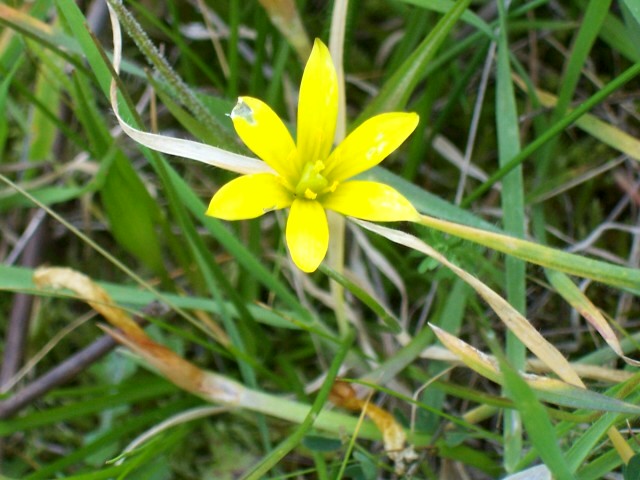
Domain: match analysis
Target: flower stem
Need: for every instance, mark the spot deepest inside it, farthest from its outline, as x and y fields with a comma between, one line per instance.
x=337, y=222
x=336, y=262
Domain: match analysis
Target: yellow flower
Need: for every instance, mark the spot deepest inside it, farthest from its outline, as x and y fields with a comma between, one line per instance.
x=307, y=176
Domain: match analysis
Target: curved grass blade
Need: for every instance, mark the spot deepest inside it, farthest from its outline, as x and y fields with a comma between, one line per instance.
x=548, y=389
x=542, y=255
x=391, y=322
x=555, y=129
x=578, y=300
x=296, y=437
x=536, y=421
x=396, y=91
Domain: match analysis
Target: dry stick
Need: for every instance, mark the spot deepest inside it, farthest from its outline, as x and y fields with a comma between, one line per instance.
x=18, y=325
x=20, y=316
x=68, y=369
x=57, y=376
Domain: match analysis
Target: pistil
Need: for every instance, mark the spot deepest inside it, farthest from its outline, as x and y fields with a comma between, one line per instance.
x=312, y=182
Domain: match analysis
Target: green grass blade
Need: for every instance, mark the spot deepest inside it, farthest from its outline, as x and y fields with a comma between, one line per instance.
x=122, y=431
x=296, y=437
x=624, y=277
x=123, y=394
x=396, y=91
x=444, y=6
x=537, y=423
x=392, y=323
x=4, y=90
x=554, y=130
x=512, y=200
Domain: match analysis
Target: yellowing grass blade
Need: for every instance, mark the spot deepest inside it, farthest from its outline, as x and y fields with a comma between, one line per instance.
x=90, y=292
x=550, y=390
x=203, y=383
x=542, y=255
x=578, y=300
x=546, y=352
x=603, y=131
x=514, y=321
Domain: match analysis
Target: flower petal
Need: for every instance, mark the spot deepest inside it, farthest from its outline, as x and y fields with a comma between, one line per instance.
x=249, y=196
x=369, y=144
x=317, y=106
x=372, y=201
x=263, y=132
x=307, y=234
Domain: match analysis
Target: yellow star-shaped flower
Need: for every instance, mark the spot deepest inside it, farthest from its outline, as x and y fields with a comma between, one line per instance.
x=308, y=177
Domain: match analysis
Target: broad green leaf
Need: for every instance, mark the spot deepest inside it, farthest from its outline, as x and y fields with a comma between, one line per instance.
x=132, y=214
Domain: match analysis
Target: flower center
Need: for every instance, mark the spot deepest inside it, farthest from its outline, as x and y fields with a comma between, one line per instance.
x=312, y=183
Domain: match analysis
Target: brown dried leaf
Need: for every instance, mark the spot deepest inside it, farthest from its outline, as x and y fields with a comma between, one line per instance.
x=393, y=435
x=87, y=290
x=175, y=368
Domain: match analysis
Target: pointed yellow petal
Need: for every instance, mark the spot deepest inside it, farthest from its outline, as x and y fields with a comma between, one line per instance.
x=263, y=132
x=369, y=144
x=249, y=196
x=371, y=201
x=307, y=234
x=317, y=106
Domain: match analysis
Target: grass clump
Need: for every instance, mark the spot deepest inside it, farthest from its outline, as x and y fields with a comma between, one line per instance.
x=491, y=333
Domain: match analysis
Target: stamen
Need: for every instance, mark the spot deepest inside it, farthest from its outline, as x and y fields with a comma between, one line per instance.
x=311, y=182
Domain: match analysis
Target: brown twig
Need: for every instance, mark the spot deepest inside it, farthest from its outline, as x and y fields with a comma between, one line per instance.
x=18, y=325
x=57, y=376
x=19, y=319
x=68, y=369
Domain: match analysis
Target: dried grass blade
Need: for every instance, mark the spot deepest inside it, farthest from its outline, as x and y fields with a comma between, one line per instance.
x=578, y=300
x=517, y=323
x=190, y=149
